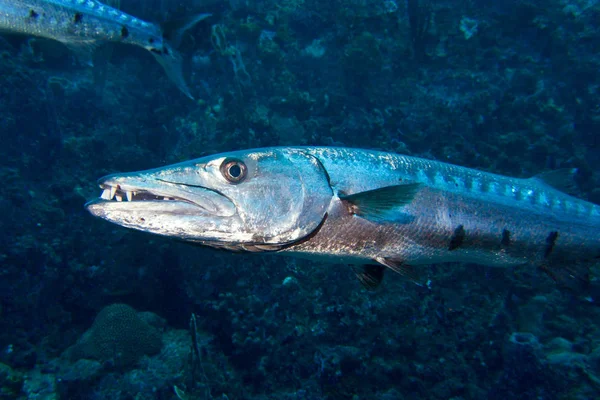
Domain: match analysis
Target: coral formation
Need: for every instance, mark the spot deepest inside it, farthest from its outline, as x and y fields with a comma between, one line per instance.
x=118, y=335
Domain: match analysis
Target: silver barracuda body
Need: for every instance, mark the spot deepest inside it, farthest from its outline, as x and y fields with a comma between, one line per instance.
x=84, y=24
x=373, y=209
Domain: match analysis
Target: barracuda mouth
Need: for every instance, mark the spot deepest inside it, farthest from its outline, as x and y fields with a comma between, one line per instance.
x=167, y=208
x=160, y=196
x=116, y=193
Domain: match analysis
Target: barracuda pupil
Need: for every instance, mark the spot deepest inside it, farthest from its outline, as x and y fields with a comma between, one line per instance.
x=235, y=171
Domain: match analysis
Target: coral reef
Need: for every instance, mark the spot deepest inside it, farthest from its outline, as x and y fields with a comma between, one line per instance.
x=507, y=87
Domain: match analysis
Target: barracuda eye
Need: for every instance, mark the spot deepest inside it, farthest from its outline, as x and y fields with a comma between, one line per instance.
x=234, y=170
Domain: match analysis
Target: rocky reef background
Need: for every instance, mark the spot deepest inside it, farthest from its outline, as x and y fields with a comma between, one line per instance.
x=89, y=310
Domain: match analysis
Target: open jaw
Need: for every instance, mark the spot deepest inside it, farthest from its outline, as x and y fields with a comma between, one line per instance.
x=118, y=194
x=161, y=197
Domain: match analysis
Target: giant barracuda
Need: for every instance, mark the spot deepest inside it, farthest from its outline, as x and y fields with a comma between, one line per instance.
x=84, y=24
x=372, y=209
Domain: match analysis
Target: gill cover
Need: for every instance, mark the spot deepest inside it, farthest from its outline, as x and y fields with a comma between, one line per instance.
x=280, y=195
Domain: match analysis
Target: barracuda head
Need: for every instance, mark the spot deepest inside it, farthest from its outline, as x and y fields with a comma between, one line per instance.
x=252, y=200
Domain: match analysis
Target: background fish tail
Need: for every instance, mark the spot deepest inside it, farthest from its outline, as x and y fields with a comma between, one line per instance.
x=169, y=58
x=172, y=63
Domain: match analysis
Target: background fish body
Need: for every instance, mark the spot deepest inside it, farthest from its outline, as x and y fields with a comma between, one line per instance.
x=359, y=207
x=84, y=24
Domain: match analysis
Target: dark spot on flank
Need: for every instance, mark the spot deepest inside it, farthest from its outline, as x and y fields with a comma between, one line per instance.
x=430, y=174
x=468, y=183
x=485, y=186
x=457, y=239
x=505, y=238
x=78, y=18
x=151, y=40
x=33, y=14
x=124, y=32
x=518, y=195
x=550, y=243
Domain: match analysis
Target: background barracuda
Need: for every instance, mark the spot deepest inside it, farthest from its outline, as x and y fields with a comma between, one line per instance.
x=83, y=25
x=508, y=87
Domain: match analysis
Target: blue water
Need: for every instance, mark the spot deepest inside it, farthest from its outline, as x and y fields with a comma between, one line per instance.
x=89, y=310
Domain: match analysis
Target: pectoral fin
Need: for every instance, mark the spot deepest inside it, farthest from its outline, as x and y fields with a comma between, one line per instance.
x=377, y=204
x=370, y=276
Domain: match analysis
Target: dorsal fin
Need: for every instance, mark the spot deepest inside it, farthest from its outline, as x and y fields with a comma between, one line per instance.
x=560, y=179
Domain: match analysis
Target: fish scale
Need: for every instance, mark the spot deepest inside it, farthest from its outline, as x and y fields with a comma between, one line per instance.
x=95, y=8
x=530, y=193
x=373, y=209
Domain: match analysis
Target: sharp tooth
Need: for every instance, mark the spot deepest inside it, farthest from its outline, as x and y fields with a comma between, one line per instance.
x=129, y=196
x=113, y=190
x=134, y=193
x=105, y=194
x=119, y=198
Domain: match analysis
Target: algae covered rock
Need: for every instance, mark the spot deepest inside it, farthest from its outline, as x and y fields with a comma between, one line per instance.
x=11, y=382
x=40, y=386
x=82, y=372
x=560, y=351
x=117, y=335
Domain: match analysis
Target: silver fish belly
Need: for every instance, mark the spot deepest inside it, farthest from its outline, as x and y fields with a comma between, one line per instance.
x=84, y=24
x=369, y=208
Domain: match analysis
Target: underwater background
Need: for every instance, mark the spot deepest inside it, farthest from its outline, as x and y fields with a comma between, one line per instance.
x=89, y=310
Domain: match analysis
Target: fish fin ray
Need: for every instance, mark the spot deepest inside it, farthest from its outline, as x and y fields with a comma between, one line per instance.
x=370, y=276
x=562, y=179
x=169, y=58
x=376, y=204
x=261, y=248
x=401, y=268
x=574, y=276
x=83, y=50
x=172, y=63
x=174, y=30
